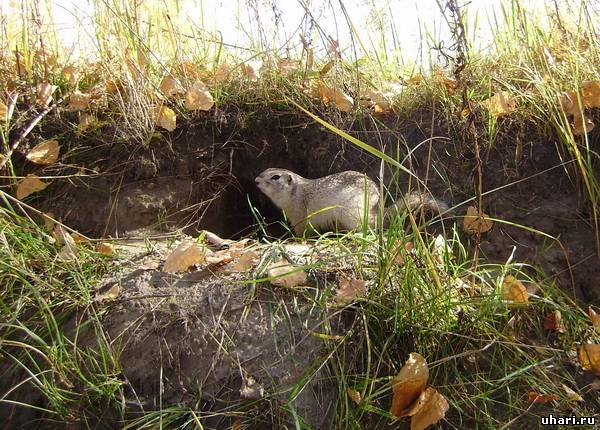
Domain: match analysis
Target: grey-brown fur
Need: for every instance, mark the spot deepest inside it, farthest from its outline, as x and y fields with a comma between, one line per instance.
x=338, y=201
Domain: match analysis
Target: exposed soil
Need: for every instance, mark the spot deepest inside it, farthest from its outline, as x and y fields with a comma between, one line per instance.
x=202, y=177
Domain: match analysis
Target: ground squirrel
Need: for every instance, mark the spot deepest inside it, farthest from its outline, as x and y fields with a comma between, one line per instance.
x=338, y=201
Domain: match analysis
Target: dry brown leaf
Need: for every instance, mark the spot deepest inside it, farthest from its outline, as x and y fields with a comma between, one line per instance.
x=69, y=250
x=382, y=102
x=572, y=394
x=500, y=104
x=251, y=70
x=409, y=383
x=44, y=94
x=105, y=248
x=170, y=86
x=568, y=102
x=78, y=101
x=222, y=73
x=582, y=124
x=285, y=274
x=514, y=290
x=114, y=86
x=247, y=261
x=78, y=238
x=553, y=321
x=3, y=112
x=440, y=77
x=165, y=118
x=108, y=292
x=287, y=66
x=415, y=80
x=198, y=97
x=187, y=254
x=535, y=397
x=354, y=395
x=45, y=153
x=86, y=121
x=429, y=409
x=590, y=91
x=595, y=318
x=337, y=97
x=29, y=185
x=70, y=74
x=350, y=290
x=237, y=424
x=476, y=222
x=589, y=357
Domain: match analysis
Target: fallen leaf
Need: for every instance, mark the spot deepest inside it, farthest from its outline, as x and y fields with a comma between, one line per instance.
x=572, y=394
x=337, y=97
x=350, y=290
x=590, y=91
x=409, y=383
x=78, y=238
x=285, y=274
x=382, y=102
x=29, y=185
x=108, y=292
x=105, y=248
x=237, y=424
x=440, y=77
x=149, y=263
x=246, y=261
x=49, y=222
x=78, y=101
x=568, y=102
x=114, y=86
x=553, y=321
x=198, y=97
x=354, y=395
x=514, y=290
x=535, y=397
x=582, y=124
x=170, y=86
x=187, y=254
x=222, y=73
x=287, y=66
x=70, y=74
x=69, y=250
x=429, y=409
x=589, y=357
x=500, y=104
x=251, y=390
x=86, y=121
x=251, y=69
x=165, y=118
x=416, y=80
x=476, y=222
x=595, y=318
x=45, y=153
x=44, y=93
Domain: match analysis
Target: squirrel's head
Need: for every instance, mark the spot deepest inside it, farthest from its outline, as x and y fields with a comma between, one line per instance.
x=278, y=184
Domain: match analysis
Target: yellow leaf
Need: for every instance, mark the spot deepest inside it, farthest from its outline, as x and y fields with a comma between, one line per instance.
x=590, y=91
x=350, y=289
x=287, y=66
x=105, y=248
x=108, y=292
x=440, y=77
x=581, y=124
x=86, y=121
x=187, y=254
x=409, y=383
x=247, y=261
x=337, y=97
x=500, y=104
x=595, y=319
x=476, y=222
x=198, y=97
x=70, y=74
x=113, y=86
x=382, y=102
x=222, y=73
x=44, y=94
x=3, y=112
x=285, y=274
x=514, y=290
x=416, y=80
x=553, y=321
x=45, y=153
x=589, y=357
x=568, y=102
x=428, y=410
x=572, y=394
x=78, y=238
x=354, y=395
x=165, y=118
x=170, y=86
x=29, y=185
x=78, y=101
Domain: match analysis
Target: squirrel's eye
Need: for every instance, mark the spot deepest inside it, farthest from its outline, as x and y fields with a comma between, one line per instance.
x=275, y=177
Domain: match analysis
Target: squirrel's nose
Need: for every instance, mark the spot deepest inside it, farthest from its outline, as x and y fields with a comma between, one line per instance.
x=257, y=180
